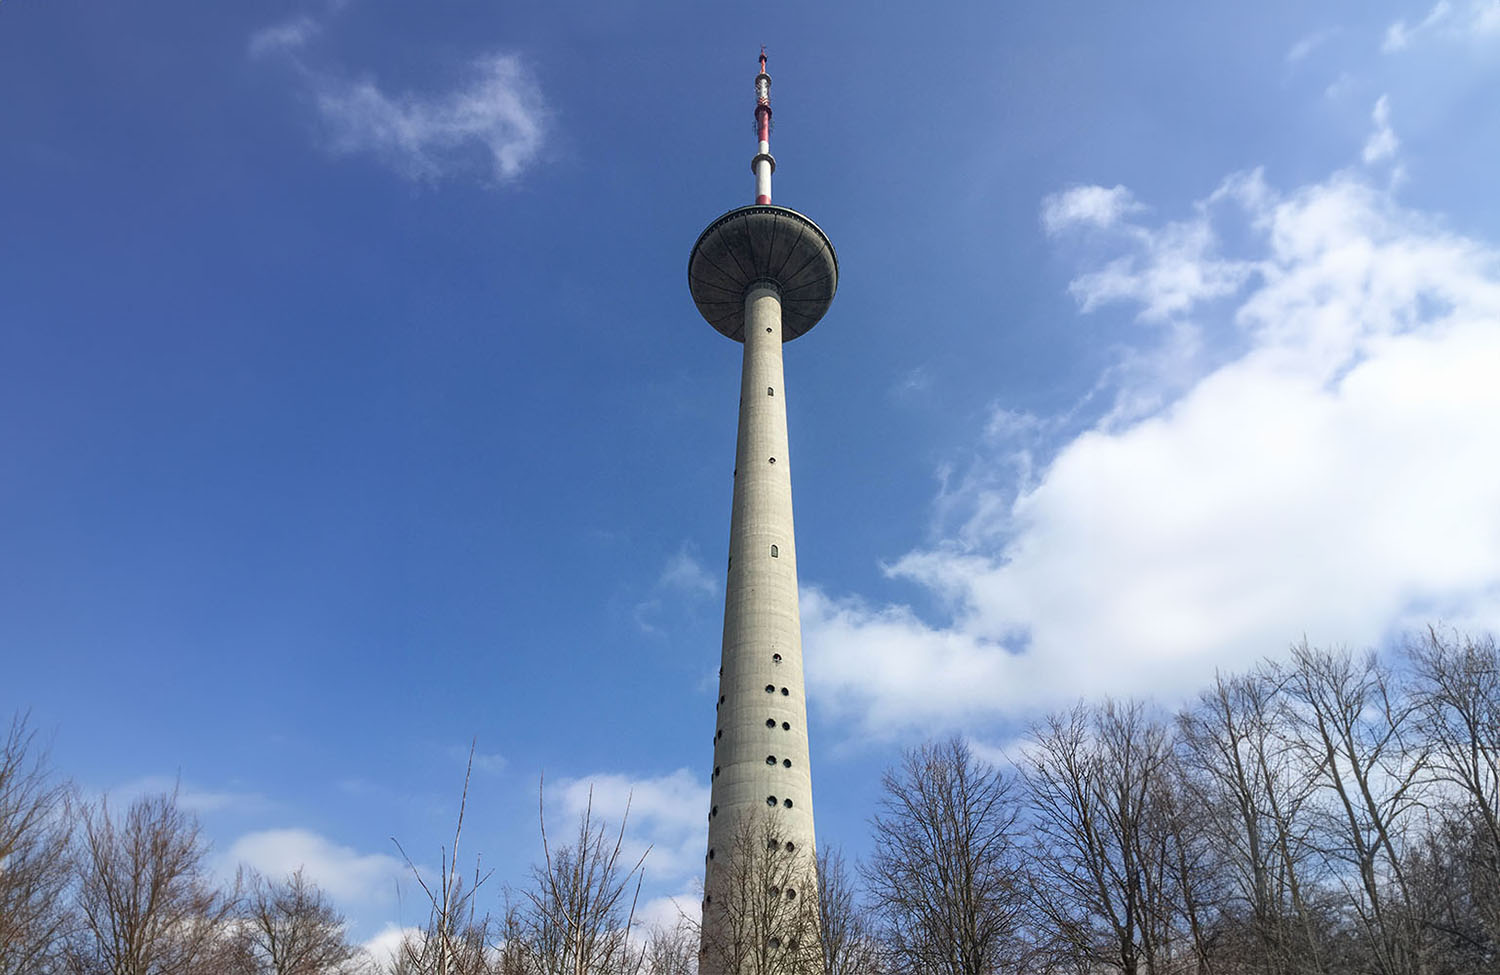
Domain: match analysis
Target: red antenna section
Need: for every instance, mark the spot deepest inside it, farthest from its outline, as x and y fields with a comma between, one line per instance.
x=763, y=165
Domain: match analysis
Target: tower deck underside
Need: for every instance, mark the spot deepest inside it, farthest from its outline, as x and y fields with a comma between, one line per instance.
x=756, y=243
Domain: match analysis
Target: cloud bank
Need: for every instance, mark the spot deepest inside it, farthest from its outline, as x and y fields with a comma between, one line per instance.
x=668, y=816
x=346, y=875
x=1332, y=473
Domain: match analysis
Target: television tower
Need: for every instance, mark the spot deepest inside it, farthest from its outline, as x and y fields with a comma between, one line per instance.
x=761, y=275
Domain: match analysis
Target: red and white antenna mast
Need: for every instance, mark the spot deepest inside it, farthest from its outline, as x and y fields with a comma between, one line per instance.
x=764, y=164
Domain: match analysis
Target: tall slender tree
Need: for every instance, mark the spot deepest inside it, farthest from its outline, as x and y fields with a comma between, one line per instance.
x=945, y=873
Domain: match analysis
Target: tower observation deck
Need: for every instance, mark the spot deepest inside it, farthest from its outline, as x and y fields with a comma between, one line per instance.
x=761, y=275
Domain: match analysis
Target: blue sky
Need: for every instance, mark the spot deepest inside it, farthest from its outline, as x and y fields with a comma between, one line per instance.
x=353, y=405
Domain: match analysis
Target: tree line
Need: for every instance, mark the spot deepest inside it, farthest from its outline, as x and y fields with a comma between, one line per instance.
x=1333, y=813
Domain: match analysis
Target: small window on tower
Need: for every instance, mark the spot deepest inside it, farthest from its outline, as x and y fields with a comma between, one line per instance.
x=787, y=803
x=785, y=726
x=790, y=846
x=770, y=800
x=770, y=390
x=770, y=688
x=775, y=552
x=786, y=763
x=775, y=659
x=770, y=722
x=773, y=460
x=770, y=759
x=785, y=692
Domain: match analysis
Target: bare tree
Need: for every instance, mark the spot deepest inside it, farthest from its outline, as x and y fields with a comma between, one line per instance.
x=290, y=928
x=945, y=873
x=1357, y=731
x=35, y=823
x=580, y=904
x=1106, y=871
x=672, y=949
x=1458, y=701
x=761, y=904
x=846, y=937
x=145, y=902
x=456, y=939
x=1243, y=775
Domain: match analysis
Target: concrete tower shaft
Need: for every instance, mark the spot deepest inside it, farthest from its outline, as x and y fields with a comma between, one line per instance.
x=762, y=771
x=762, y=275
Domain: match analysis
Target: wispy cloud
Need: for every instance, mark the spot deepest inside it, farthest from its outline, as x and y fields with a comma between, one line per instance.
x=285, y=37
x=489, y=763
x=1308, y=44
x=683, y=579
x=191, y=797
x=1089, y=206
x=1478, y=20
x=492, y=125
x=915, y=380
x=494, y=121
x=1382, y=143
x=684, y=573
x=1166, y=270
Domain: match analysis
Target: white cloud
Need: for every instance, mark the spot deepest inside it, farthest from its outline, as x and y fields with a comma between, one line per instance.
x=1398, y=35
x=283, y=38
x=1169, y=268
x=668, y=814
x=489, y=763
x=666, y=913
x=1478, y=20
x=494, y=121
x=684, y=573
x=682, y=578
x=916, y=380
x=1334, y=476
x=192, y=798
x=1340, y=86
x=1382, y=143
x=1306, y=45
x=340, y=871
x=492, y=125
x=383, y=947
x=1090, y=206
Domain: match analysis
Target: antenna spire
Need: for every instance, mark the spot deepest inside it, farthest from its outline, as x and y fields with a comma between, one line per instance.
x=764, y=164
